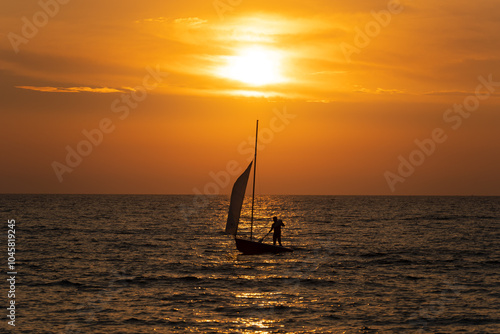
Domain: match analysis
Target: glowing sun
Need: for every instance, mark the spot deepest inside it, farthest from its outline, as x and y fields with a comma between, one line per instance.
x=256, y=66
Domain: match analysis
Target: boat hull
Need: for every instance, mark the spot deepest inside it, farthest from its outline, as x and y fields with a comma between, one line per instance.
x=250, y=247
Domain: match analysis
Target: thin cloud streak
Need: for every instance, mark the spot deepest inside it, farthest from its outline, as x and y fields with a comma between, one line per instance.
x=100, y=90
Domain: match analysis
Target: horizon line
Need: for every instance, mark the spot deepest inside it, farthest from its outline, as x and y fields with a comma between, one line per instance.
x=192, y=194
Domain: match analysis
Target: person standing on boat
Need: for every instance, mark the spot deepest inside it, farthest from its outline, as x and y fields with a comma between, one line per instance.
x=277, y=230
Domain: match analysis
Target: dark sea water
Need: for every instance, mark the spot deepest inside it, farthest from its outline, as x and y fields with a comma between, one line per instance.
x=161, y=264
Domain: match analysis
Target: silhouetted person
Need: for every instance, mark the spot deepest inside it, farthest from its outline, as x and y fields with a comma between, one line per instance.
x=277, y=230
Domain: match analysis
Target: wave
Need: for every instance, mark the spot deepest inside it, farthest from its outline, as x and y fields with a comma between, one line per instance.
x=257, y=309
x=373, y=254
x=445, y=217
x=137, y=321
x=455, y=320
x=63, y=283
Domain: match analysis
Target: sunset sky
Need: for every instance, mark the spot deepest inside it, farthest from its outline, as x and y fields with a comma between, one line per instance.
x=161, y=97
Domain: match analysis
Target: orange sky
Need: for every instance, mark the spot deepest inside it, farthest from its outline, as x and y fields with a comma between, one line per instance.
x=160, y=96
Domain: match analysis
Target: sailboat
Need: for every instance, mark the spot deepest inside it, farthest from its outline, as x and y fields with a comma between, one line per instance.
x=247, y=246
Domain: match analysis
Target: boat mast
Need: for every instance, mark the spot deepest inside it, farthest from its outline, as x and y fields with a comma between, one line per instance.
x=254, y=169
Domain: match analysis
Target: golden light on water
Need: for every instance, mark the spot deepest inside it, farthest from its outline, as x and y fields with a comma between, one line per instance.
x=254, y=65
x=262, y=324
x=257, y=295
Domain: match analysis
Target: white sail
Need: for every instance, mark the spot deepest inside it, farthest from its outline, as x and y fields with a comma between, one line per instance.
x=237, y=196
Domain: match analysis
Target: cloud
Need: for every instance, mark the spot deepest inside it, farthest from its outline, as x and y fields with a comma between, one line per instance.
x=388, y=91
x=73, y=89
x=328, y=72
x=185, y=21
x=190, y=21
x=460, y=93
x=426, y=48
x=195, y=48
x=360, y=89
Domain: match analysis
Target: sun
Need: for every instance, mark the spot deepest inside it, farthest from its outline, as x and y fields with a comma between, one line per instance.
x=255, y=65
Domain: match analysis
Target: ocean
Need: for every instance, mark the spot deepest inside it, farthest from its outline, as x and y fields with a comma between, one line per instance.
x=162, y=264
